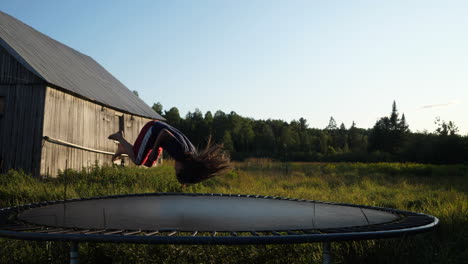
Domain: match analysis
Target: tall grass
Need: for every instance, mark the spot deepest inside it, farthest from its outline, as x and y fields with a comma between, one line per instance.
x=441, y=191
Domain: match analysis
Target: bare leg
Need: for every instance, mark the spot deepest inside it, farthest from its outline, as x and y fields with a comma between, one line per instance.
x=124, y=148
x=120, y=151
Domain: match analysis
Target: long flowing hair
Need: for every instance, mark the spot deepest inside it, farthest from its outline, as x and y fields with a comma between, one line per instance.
x=205, y=164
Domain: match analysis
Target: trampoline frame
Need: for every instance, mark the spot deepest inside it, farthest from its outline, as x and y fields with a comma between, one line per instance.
x=408, y=223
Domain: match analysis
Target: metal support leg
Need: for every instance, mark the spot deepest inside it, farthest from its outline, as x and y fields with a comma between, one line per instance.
x=74, y=253
x=326, y=253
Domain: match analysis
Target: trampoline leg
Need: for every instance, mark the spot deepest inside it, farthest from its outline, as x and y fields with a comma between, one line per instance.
x=74, y=253
x=326, y=253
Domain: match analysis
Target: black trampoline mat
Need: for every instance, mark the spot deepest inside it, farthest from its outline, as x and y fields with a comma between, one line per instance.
x=203, y=213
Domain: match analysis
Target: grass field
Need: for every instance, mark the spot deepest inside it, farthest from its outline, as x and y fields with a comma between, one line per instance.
x=440, y=190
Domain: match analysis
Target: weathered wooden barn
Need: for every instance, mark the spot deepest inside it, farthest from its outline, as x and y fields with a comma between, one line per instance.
x=57, y=105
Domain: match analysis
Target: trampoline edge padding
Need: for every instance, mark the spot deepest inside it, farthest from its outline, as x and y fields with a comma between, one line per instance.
x=13, y=224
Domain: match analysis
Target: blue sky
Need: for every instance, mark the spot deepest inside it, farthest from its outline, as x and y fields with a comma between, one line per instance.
x=276, y=59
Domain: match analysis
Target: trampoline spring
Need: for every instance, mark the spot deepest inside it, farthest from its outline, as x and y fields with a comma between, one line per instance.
x=114, y=232
x=213, y=233
x=131, y=233
x=78, y=232
x=152, y=233
x=194, y=233
x=172, y=233
x=94, y=232
x=61, y=231
x=25, y=228
x=50, y=230
x=275, y=233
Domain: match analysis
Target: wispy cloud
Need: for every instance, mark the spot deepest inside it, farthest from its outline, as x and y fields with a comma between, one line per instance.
x=441, y=105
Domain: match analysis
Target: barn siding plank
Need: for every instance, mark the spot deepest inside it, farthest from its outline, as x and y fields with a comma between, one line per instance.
x=21, y=127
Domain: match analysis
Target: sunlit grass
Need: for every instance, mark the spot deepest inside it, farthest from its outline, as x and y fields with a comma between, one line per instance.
x=441, y=191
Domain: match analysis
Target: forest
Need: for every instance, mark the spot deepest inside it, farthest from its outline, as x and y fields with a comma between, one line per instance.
x=390, y=140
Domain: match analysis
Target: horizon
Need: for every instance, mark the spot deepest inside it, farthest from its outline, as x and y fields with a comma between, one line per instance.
x=276, y=60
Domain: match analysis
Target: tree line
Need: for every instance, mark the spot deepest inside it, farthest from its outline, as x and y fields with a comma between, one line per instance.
x=390, y=139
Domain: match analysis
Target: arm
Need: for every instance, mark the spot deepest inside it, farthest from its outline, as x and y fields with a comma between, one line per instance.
x=163, y=136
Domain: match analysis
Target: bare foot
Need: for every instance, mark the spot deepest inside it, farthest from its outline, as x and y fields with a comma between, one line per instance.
x=116, y=136
x=115, y=157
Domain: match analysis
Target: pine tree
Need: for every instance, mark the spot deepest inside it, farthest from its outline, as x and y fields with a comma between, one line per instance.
x=331, y=124
x=394, y=120
x=403, y=126
x=389, y=133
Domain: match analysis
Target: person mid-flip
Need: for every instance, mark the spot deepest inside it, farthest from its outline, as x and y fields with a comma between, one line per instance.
x=191, y=166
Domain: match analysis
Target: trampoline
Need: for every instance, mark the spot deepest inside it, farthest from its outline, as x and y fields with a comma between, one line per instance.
x=198, y=218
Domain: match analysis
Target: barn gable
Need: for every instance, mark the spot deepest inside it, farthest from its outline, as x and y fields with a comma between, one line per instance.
x=68, y=69
x=13, y=72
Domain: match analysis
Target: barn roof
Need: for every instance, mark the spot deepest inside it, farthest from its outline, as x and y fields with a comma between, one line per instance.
x=62, y=66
